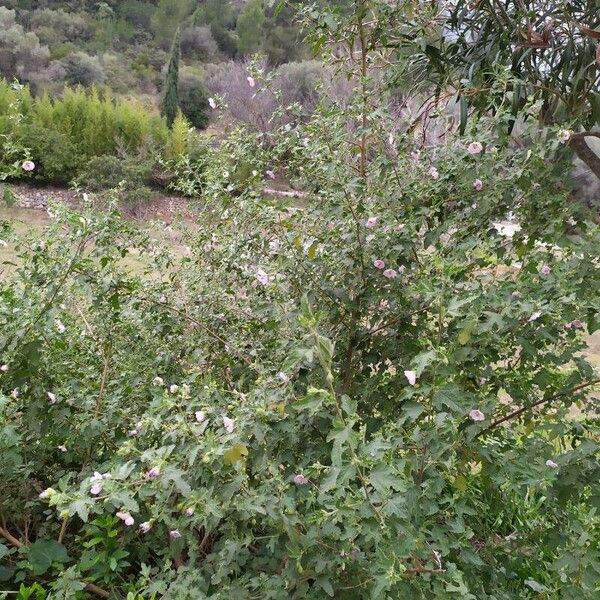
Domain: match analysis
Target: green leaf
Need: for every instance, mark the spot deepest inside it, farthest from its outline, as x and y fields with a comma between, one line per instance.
x=325, y=585
x=313, y=400
x=45, y=552
x=412, y=410
x=383, y=479
x=3, y=550
x=235, y=454
x=535, y=586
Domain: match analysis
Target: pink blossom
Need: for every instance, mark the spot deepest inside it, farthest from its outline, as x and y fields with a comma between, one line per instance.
x=158, y=381
x=250, y=81
x=545, y=270
x=173, y=388
x=145, y=527
x=434, y=173
x=153, y=473
x=96, y=488
x=4, y=368
x=96, y=477
x=299, y=479
x=576, y=324
x=564, y=135
x=283, y=377
x=28, y=165
x=411, y=377
x=200, y=416
x=474, y=148
x=126, y=518
x=390, y=273
x=228, y=424
x=212, y=103
x=46, y=493
x=415, y=155
x=476, y=415
x=270, y=174
x=551, y=464
x=516, y=295
x=174, y=534
x=371, y=222
x=478, y=184
x=535, y=316
x=189, y=511
x=51, y=397
x=62, y=448
x=262, y=276
x=379, y=264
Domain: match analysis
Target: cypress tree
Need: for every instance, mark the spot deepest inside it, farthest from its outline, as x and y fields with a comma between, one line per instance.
x=170, y=101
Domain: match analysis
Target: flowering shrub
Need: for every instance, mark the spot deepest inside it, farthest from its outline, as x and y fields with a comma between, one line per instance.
x=369, y=393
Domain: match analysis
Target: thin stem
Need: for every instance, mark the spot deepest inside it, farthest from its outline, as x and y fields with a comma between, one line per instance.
x=517, y=413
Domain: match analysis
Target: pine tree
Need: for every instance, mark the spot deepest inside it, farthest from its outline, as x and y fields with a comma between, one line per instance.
x=249, y=27
x=170, y=101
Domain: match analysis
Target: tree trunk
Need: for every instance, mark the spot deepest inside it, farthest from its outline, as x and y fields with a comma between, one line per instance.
x=584, y=152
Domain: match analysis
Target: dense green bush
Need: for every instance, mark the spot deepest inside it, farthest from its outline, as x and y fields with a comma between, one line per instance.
x=63, y=134
x=107, y=172
x=193, y=99
x=371, y=393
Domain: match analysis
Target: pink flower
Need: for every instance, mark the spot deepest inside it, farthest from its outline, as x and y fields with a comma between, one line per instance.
x=390, y=273
x=228, y=424
x=96, y=488
x=551, y=464
x=173, y=388
x=516, y=295
x=379, y=264
x=46, y=493
x=28, y=165
x=153, y=473
x=576, y=324
x=174, y=534
x=250, y=81
x=545, y=270
x=158, y=381
x=474, y=148
x=62, y=448
x=212, y=103
x=270, y=174
x=262, y=276
x=371, y=222
x=189, y=511
x=4, y=368
x=51, y=397
x=478, y=184
x=535, y=316
x=200, y=416
x=411, y=377
x=96, y=477
x=476, y=415
x=299, y=479
x=434, y=173
x=564, y=135
x=283, y=377
x=126, y=518
x=145, y=527
x=415, y=155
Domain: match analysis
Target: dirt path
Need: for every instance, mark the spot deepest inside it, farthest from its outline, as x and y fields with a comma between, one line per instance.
x=157, y=206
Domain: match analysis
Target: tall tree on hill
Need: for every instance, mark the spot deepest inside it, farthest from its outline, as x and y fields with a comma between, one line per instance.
x=249, y=27
x=170, y=101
